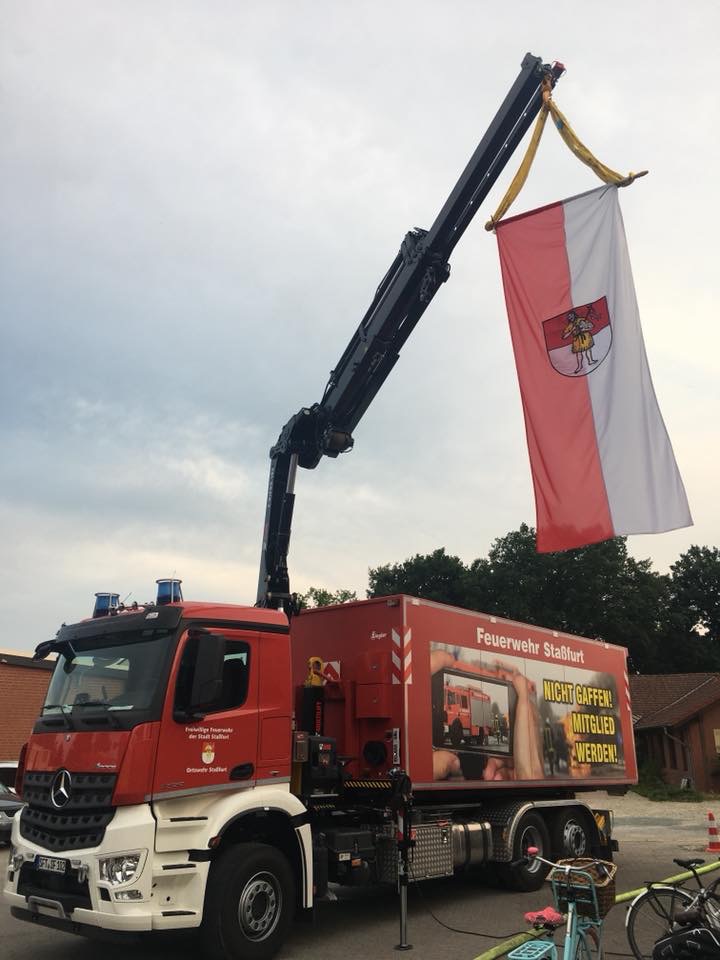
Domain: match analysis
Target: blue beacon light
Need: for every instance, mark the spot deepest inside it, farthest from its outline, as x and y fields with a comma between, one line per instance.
x=105, y=604
x=169, y=591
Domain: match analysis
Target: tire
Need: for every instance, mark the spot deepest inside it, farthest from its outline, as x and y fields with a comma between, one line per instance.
x=531, y=832
x=584, y=949
x=650, y=917
x=249, y=903
x=456, y=733
x=571, y=836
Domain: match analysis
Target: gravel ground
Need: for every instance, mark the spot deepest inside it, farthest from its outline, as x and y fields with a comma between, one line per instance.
x=637, y=818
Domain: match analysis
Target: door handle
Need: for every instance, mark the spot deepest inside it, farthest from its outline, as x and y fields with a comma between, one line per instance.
x=242, y=772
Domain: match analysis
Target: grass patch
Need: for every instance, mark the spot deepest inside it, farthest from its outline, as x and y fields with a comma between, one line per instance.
x=652, y=786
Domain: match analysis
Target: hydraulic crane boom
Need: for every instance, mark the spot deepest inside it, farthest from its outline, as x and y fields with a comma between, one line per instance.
x=416, y=273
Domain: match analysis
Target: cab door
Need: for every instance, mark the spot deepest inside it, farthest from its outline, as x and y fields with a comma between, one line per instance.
x=216, y=747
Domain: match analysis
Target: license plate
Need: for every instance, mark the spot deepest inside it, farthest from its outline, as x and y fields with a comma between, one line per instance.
x=51, y=864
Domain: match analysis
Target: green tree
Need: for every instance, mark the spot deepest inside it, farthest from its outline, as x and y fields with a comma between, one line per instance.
x=596, y=591
x=435, y=576
x=692, y=616
x=320, y=597
x=695, y=590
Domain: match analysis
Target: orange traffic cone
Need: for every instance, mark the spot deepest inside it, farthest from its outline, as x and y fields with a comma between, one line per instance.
x=713, y=841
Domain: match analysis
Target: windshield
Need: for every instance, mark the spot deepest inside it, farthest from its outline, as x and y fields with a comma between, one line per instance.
x=108, y=674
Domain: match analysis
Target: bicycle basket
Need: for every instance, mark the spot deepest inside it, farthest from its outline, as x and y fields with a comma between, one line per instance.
x=590, y=885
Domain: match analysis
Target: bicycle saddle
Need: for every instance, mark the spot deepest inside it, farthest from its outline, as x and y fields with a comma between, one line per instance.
x=688, y=864
x=549, y=917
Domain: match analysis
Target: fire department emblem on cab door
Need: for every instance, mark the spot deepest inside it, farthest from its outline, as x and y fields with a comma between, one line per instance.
x=208, y=753
x=579, y=339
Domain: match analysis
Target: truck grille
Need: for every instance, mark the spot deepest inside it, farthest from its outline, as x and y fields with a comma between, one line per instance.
x=80, y=823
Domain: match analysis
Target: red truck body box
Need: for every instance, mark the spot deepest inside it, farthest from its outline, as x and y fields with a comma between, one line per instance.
x=477, y=701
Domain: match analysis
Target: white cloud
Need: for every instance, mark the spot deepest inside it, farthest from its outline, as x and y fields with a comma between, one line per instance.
x=198, y=203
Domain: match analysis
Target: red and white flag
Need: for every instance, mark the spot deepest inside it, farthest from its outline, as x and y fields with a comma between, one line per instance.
x=601, y=459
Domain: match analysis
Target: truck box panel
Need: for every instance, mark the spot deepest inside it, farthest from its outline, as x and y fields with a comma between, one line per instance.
x=558, y=709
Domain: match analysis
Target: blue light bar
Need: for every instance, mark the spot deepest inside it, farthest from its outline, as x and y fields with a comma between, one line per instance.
x=105, y=604
x=169, y=591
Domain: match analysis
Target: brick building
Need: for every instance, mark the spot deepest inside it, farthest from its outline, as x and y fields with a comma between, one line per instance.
x=23, y=684
x=677, y=725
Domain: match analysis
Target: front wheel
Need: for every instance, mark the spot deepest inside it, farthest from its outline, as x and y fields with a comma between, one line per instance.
x=456, y=733
x=249, y=903
x=651, y=916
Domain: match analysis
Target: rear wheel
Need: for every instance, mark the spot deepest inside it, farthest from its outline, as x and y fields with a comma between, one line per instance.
x=249, y=903
x=586, y=947
x=531, y=832
x=571, y=835
x=651, y=916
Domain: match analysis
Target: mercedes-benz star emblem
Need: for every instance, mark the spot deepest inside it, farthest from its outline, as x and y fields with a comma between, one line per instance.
x=60, y=789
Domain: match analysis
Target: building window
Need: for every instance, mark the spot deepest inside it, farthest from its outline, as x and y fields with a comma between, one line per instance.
x=716, y=735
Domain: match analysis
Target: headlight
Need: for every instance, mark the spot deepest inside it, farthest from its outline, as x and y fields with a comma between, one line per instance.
x=16, y=859
x=120, y=869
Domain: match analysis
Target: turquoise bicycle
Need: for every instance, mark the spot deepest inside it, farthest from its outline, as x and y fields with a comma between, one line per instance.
x=583, y=892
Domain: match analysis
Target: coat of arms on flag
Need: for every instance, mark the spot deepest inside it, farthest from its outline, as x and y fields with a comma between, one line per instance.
x=579, y=339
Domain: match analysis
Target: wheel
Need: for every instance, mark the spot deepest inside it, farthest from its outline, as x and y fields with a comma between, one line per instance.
x=570, y=836
x=650, y=917
x=456, y=733
x=586, y=948
x=530, y=832
x=249, y=903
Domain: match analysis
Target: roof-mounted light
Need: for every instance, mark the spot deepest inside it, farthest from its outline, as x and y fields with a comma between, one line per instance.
x=169, y=591
x=105, y=604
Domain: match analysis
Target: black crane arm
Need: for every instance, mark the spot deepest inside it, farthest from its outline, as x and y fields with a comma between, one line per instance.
x=406, y=290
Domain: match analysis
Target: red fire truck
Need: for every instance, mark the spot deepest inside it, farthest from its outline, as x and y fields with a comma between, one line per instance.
x=466, y=715
x=195, y=765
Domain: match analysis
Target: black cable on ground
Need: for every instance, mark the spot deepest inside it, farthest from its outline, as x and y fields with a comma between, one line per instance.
x=467, y=933
x=487, y=936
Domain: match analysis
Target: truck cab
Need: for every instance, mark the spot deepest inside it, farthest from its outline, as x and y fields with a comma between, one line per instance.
x=166, y=729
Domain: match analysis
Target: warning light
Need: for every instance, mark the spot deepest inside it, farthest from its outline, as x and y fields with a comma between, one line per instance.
x=169, y=591
x=105, y=604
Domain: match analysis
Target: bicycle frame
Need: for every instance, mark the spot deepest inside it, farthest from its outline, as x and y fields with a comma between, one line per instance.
x=577, y=927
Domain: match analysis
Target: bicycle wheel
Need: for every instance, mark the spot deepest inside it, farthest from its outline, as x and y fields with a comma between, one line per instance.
x=651, y=916
x=585, y=949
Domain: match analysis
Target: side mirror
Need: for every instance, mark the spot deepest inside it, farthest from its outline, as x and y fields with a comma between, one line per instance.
x=208, y=674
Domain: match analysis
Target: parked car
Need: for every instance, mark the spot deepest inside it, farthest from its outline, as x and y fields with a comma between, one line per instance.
x=10, y=803
x=8, y=770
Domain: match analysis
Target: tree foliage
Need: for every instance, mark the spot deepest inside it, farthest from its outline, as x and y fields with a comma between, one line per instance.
x=319, y=597
x=668, y=622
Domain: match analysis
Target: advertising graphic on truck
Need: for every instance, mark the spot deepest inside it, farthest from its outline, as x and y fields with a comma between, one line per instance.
x=570, y=721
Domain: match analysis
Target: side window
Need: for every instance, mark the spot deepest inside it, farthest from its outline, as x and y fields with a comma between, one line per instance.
x=464, y=701
x=235, y=675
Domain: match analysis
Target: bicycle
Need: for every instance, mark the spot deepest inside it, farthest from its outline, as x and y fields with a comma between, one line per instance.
x=583, y=892
x=654, y=912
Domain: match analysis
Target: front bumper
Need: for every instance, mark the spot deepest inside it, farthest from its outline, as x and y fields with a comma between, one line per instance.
x=167, y=889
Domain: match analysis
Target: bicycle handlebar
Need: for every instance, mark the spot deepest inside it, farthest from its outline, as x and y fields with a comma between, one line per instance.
x=534, y=854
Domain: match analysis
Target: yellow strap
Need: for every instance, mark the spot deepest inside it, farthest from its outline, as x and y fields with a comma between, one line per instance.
x=580, y=150
x=521, y=176
x=571, y=139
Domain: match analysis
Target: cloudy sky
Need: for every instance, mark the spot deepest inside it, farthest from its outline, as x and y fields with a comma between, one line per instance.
x=198, y=200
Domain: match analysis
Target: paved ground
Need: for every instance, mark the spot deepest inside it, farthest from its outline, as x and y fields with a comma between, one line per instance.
x=363, y=924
